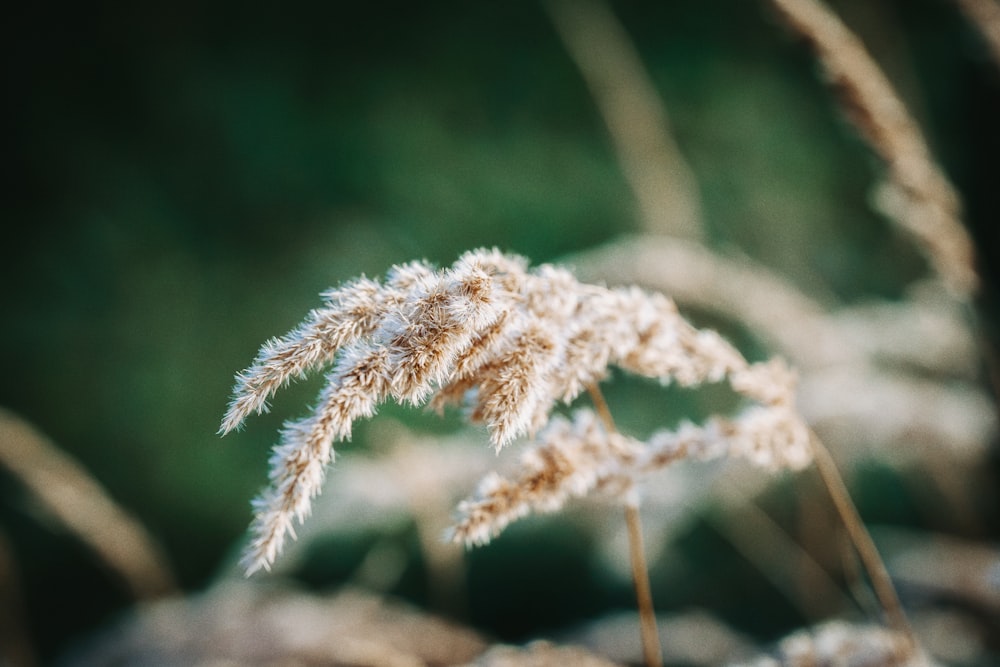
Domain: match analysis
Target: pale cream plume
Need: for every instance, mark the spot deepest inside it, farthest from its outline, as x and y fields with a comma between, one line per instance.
x=507, y=343
x=411, y=349
x=574, y=459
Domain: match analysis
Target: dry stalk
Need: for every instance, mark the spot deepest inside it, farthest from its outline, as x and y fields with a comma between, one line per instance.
x=649, y=630
x=862, y=541
x=651, y=648
x=78, y=501
x=916, y=193
x=664, y=185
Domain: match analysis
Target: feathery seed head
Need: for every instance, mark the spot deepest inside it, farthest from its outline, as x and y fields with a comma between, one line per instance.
x=508, y=342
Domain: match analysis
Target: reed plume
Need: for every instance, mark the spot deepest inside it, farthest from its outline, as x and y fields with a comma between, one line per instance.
x=574, y=458
x=506, y=343
x=65, y=489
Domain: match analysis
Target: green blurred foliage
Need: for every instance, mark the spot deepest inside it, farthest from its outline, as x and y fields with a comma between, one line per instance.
x=184, y=178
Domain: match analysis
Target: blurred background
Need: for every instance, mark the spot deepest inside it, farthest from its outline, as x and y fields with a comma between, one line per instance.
x=183, y=179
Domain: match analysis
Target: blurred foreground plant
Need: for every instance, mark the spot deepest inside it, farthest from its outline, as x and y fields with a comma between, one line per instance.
x=509, y=343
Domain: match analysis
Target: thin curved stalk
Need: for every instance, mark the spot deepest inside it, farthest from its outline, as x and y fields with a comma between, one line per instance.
x=651, y=648
x=71, y=494
x=862, y=540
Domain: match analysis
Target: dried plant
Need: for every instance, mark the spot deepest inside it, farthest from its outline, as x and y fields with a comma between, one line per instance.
x=509, y=343
x=506, y=342
x=575, y=458
x=903, y=372
x=664, y=185
x=73, y=496
x=916, y=193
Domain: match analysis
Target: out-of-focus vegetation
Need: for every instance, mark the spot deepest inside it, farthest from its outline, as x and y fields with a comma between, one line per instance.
x=182, y=180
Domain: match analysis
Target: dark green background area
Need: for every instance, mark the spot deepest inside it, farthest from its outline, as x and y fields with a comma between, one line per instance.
x=182, y=179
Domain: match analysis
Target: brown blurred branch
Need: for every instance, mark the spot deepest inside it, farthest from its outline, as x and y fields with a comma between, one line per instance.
x=870, y=558
x=916, y=194
x=76, y=499
x=661, y=180
x=652, y=649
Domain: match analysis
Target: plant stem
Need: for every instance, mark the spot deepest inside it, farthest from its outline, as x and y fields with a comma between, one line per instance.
x=651, y=648
x=862, y=540
x=601, y=406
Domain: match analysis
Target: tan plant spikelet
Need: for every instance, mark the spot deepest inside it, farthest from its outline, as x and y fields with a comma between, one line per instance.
x=503, y=341
x=572, y=459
